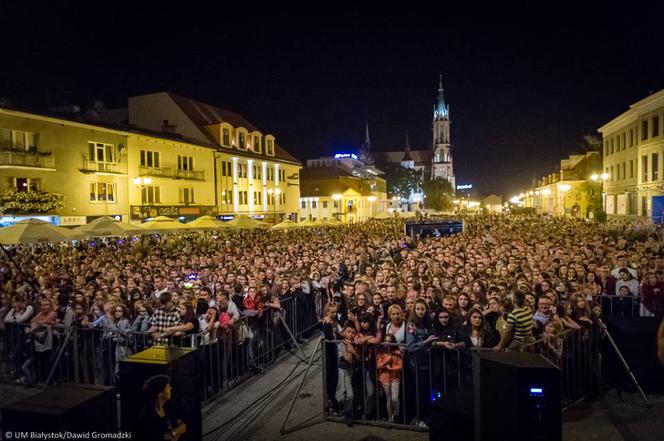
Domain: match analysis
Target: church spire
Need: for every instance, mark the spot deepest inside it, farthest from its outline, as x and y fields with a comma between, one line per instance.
x=406, y=150
x=441, y=110
x=365, y=150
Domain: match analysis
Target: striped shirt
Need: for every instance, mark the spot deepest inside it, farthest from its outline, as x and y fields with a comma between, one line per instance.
x=521, y=319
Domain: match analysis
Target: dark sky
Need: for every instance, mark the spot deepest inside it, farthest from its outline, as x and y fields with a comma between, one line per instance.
x=524, y=83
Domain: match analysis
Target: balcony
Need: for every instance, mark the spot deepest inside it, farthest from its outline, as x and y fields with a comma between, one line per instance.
x=115, y=168
x=13, y=158
x=156, y=172
x=192, y=175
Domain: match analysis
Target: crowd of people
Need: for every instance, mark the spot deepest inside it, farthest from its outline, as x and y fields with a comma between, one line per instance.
x=386, y=302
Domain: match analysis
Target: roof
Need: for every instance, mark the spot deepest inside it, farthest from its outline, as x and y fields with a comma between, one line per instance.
x=421, y=157
x=326, y=181
x=202, y=115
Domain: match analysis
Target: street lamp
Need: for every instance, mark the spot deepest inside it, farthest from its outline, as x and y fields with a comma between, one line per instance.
x=141, y=183
x=337, y=197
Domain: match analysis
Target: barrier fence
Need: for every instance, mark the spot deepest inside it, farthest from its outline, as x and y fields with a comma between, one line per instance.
x=48, y=354
x=392, y=386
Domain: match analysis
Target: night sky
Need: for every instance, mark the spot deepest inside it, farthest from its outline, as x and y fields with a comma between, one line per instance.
x=524, y=83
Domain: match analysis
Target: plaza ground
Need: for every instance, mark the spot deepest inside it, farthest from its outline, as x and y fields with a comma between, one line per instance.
x=236, y=416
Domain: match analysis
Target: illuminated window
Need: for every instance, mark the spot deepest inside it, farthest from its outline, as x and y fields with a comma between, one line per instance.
x=186, y=163
x=655, y=166
x=242, y=142
x=644, y=168
x=102, y=192
x=269, y=148
x=26, y=185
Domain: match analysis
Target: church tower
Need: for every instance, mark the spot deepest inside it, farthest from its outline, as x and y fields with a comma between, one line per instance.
x=441, y=166
x=365, y=150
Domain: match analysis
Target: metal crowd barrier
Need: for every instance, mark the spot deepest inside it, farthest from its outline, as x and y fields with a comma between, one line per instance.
x=383, y=394
x=622, y=306
x=54, y=354
x=428, y=374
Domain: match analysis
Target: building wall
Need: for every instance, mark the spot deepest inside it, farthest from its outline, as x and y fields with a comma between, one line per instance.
x=67, y=170
x=172, y=177
x=633, y=179
x=326, y=207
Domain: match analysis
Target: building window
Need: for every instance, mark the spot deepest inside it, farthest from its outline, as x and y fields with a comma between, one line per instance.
x=226, y=197
x=257, y=198
x=186, y=196
x=226, y=137
x=631, y=137
x=631, y=168
x=611, y=174
x=18, y=140
x=655, y=166
x=186, y=163
x=644, y=168
x=282, y=198
x=151, y=194
x=624, y=167
x=256, y=144
x=324, y=204
x=655, y=126
x=269, y=148
x=100, y=152
x=304, y=205
x=611, y=146
x=102, y=192
x=150, y=159
x=644, y=206
x=242, y=141
x=242, y=195
x=624, y=140
x=223, y=168
x=644, y=130
x=26, y=185
x=314, y=204
x=618, y=143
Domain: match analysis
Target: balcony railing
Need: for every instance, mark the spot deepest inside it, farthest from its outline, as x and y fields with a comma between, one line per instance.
x=25, y=159
x=104, y=167
x=158, y=172
x=194, y=175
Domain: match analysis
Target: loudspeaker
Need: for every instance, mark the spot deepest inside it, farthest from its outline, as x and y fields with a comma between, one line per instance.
x=451, y=416
x=180, y=365
x=66, y=407
x=637, y=342
x=517, y=397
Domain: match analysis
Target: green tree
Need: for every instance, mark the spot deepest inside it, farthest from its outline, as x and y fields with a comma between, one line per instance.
x=402, y=182
x=438, y=194
x=593, y=191
x=34, y=202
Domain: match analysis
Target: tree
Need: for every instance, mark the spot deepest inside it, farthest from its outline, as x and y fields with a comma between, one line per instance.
x=34, y=202
x=402, y=182
x=438, y=194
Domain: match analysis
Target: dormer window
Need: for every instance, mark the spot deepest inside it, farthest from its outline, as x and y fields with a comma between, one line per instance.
x=269, y=147
x=242, y=141
x=256, y=144
x=226, y=137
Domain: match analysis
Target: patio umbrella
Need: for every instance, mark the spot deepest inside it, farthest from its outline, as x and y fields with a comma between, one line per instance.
x=308, y=223
x=33, y=231
x=162, y=224
x=107, y=226
x=246, y=223
x=206, y=223
x=285, y=224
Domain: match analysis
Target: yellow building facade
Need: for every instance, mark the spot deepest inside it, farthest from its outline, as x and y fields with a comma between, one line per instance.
x=134, y=171
x=343, y=189
x=633, y=146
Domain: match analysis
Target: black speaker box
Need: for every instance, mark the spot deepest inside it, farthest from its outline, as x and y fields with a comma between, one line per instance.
x=452, y=416
x=66, y=407
x=180, y=365
x=517, y=397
